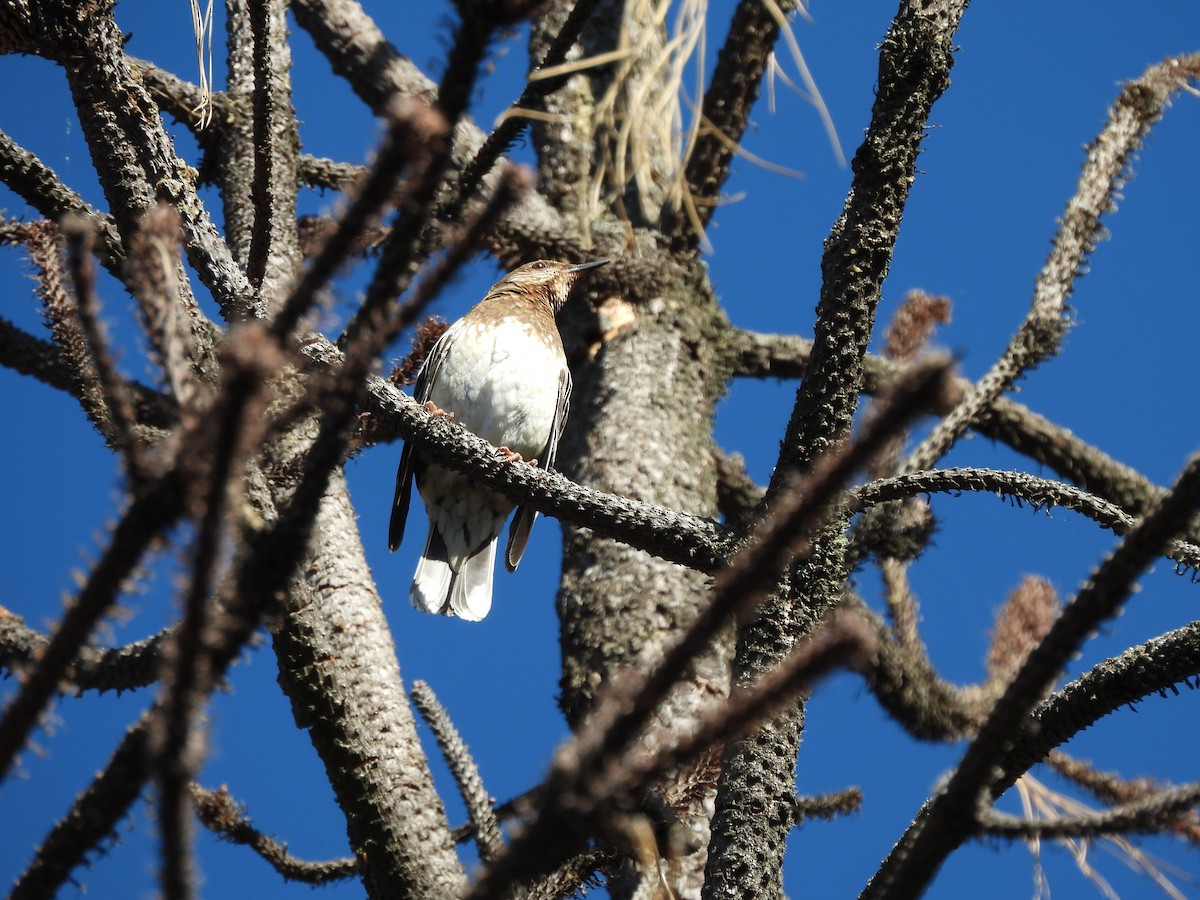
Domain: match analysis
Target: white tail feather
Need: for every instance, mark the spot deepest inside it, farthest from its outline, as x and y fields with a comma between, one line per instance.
x=432, y=582
x=437, y=588
x=471, y=590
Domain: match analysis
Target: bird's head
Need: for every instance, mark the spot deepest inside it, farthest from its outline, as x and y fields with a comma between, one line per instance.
x=546, y=279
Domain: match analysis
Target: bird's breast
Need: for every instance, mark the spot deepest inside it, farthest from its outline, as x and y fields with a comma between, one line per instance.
x=501, y=380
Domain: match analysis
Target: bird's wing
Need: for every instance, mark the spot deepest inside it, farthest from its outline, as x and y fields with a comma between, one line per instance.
x=522, y=523
x=401, y=498
x=426, y=377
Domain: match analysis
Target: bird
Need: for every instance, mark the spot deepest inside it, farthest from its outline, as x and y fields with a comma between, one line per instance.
x=501, y=372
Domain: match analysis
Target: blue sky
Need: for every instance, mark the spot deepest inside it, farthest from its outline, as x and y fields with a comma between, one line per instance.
x=1031, y=86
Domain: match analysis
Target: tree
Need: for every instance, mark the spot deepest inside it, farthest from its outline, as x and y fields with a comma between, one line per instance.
x=679, y=578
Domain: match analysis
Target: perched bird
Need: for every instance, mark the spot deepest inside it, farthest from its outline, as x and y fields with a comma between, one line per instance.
x=500, y=371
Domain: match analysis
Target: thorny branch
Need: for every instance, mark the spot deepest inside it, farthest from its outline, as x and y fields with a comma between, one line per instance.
x=219, y=813
x=207, y=448
x=949, y=817
x=1105, y=170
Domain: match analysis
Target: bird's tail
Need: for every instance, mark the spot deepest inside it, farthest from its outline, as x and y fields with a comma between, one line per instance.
x=437, y=588
x=471, y=586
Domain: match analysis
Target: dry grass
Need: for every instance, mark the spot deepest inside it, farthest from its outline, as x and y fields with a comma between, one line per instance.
x=647, y=120
x=1039, y=801
x=202, y=27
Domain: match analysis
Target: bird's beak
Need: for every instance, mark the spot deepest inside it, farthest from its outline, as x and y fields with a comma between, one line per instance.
x=583, y=267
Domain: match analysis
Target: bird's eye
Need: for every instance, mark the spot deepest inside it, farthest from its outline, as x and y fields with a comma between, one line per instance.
x=539, y=265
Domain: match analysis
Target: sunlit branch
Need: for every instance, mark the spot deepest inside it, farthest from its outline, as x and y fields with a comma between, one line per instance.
x=948, y=818
x=274, y=250
x=1156, y=812
x=735, y=84
x=1106, y=169
x=218, y=812
x=36, y=184
x=484, y=822
x=1154, y=667
x=689, y=540
x=1018, y=488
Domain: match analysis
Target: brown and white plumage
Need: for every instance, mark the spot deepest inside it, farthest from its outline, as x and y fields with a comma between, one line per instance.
x=502, y=372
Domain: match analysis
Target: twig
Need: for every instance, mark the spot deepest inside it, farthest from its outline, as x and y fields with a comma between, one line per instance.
x=826, y=806
x=1152, y=814
x=218, y=812
x=111, y=385
x=948, y=817
x=125, y=668
x=1139, y=106
x=1018, y=487
x=484, y=822
x=249, y=359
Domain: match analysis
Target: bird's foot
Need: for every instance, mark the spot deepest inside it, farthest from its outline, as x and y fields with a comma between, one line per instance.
x=434, y=410
x=508, y=457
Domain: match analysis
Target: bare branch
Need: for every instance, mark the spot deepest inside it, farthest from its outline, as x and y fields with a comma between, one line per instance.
x=124, y=668
x=535, y=90
x=411, y=127
x=1153, y=667
x=826, y=806
x=274, y=253
x=249, y=359
x=1139, y=106
x=134, y=157
x=1019, y=487
x=44, y=241
x=948, y=818
x=156, y=504
x=360, y=53
x=180, y=339
x=1155, y=813
x=674, y=536
x=38, y=186
x=915, y=62
x=735, y=84
x=484, y=822
x=738, y=497
x=154, y=507
x=112, y=388
x=574, y=876
x=185, y=101
x=92, y=818
x=786, y=356
x=29, y=355
x=378, y=73
x=219, y=813
x=910, y=689
x=844, y=642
